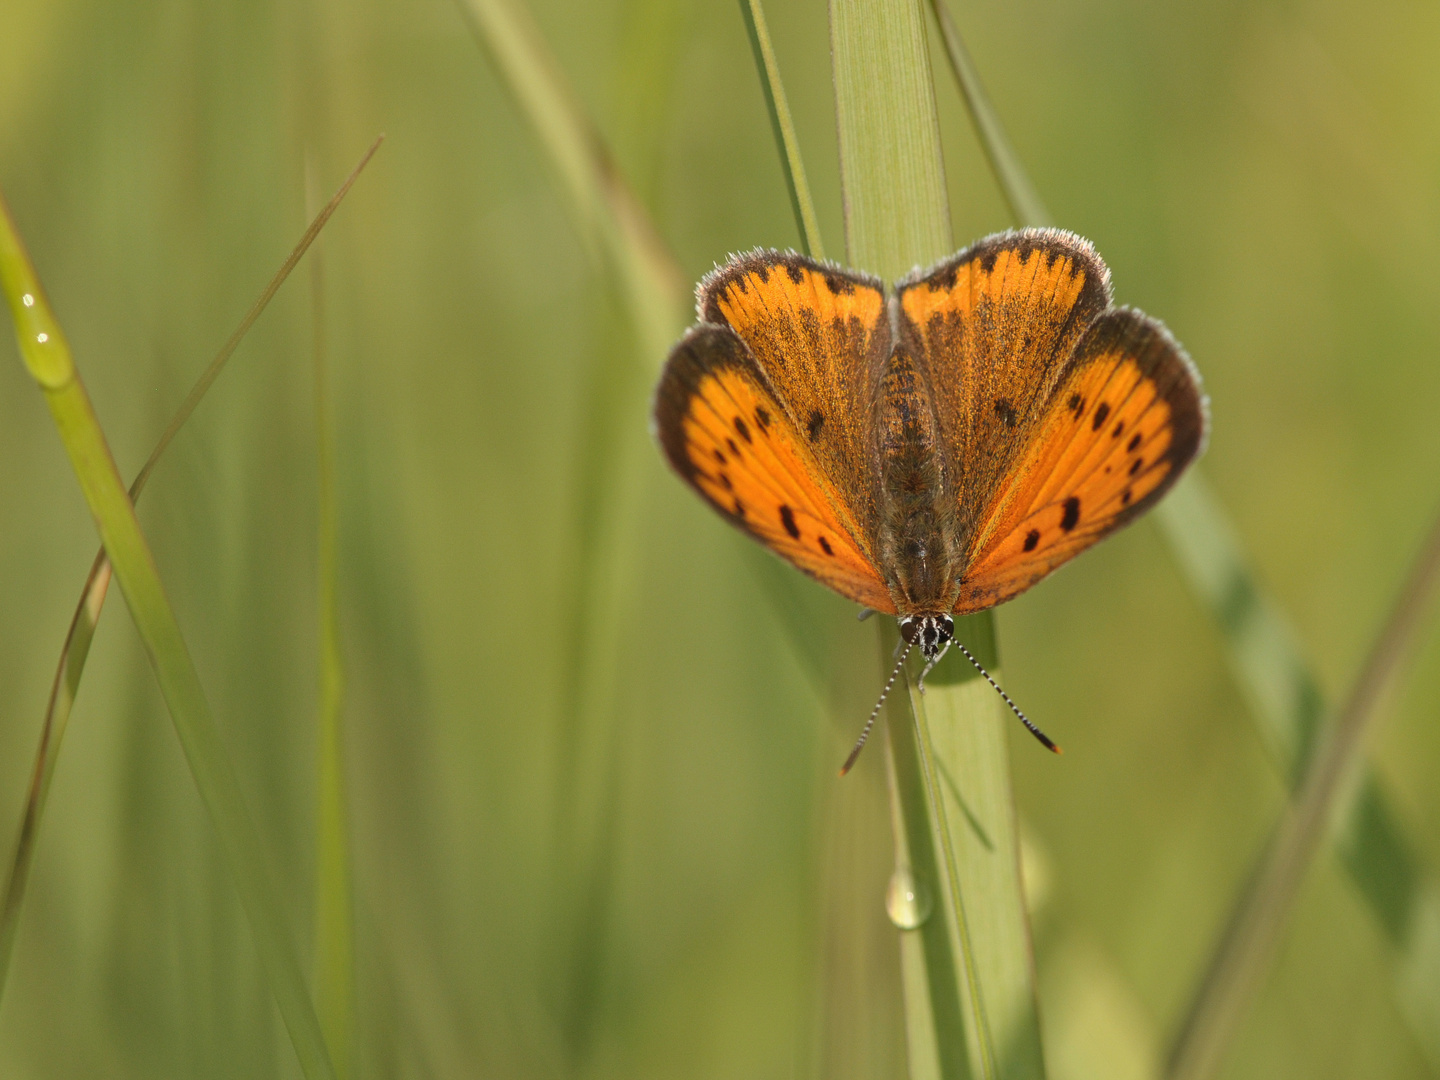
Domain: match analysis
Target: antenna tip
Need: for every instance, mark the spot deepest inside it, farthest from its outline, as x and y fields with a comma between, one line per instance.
x=1056, y=749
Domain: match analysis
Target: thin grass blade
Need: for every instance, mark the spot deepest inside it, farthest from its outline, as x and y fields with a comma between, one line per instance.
x=1248, y=947
x=76, y=649
x=47, y=356
x=1024, y=201
x=783, y=126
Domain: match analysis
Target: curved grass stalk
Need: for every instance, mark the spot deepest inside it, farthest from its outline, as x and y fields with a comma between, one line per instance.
x=47, y=356
x=76, y=648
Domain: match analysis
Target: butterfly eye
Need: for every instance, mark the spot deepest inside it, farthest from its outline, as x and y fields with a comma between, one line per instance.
x=910, y=628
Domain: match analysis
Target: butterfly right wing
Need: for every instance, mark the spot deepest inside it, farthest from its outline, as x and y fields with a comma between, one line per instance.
x=727, y=435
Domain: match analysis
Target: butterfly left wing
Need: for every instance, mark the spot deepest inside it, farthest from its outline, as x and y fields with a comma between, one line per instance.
x=1124, y=420
x=725, y=433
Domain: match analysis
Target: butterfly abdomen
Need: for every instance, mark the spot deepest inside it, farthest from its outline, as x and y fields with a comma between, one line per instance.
x=916, y=528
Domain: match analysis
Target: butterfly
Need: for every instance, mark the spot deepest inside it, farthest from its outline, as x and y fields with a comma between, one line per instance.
x=937, y=448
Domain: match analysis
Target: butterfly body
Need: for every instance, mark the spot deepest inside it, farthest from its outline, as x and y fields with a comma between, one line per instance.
x=937, y=448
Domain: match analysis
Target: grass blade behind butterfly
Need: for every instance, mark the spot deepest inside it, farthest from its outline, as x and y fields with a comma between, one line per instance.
x=47, y=356
x=949, y=746
x=76, y=649
x=778, y=106
x=1285, y=702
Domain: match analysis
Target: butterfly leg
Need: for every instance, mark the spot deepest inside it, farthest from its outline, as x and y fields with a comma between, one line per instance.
x=938, y=657
x=864, y=613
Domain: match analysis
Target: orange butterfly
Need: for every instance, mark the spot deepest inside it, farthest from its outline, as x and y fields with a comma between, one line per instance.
x=939, y=449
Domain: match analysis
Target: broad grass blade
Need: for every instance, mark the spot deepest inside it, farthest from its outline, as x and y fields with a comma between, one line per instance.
x=970, y=999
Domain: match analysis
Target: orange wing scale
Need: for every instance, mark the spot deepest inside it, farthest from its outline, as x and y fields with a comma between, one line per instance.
x=726, y=434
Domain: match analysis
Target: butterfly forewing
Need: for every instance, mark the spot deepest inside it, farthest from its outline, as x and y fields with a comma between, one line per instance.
x=1124, y=420
x=731, y=438
x=819, y=335
x=994, y=327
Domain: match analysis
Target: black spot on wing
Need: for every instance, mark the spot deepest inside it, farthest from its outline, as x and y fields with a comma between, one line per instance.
x=733, y=448
x=1101, y=412
x=838, y=285
x=762, y=417
x=1133, y=443
x=743, y=429
x=1072, y=513
x=787, y=518
x=795, y=272
x=1032, y=539
x=1118, y=429
x=1137, y=466
x=1076, y=404
x=815, y=423
x=1005, y=411
x=825, y=546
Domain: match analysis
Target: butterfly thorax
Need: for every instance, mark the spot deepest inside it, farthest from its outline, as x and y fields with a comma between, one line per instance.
x=917, y=523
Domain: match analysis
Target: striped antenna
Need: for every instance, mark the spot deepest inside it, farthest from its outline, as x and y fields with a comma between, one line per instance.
x=865, y=734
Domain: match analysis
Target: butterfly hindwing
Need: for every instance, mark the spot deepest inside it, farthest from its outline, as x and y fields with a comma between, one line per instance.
x=993, y=327
x=729, y=436
x=1121, y=424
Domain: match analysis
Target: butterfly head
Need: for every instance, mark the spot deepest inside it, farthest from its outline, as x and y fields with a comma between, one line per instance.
x=928, y=632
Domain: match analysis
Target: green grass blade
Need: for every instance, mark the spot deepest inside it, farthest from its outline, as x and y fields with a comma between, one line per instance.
x=955, y=766
x=1024, y=201
x=784, y=127
x=1285, y=701
x=47, y=356
x=334, y=909
x=76, y=648
x=1249, y=945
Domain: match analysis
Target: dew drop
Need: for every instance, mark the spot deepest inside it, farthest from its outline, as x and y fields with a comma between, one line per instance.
x=907, y=901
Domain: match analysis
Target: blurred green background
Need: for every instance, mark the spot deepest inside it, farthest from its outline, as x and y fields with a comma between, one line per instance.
x=625, y=854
